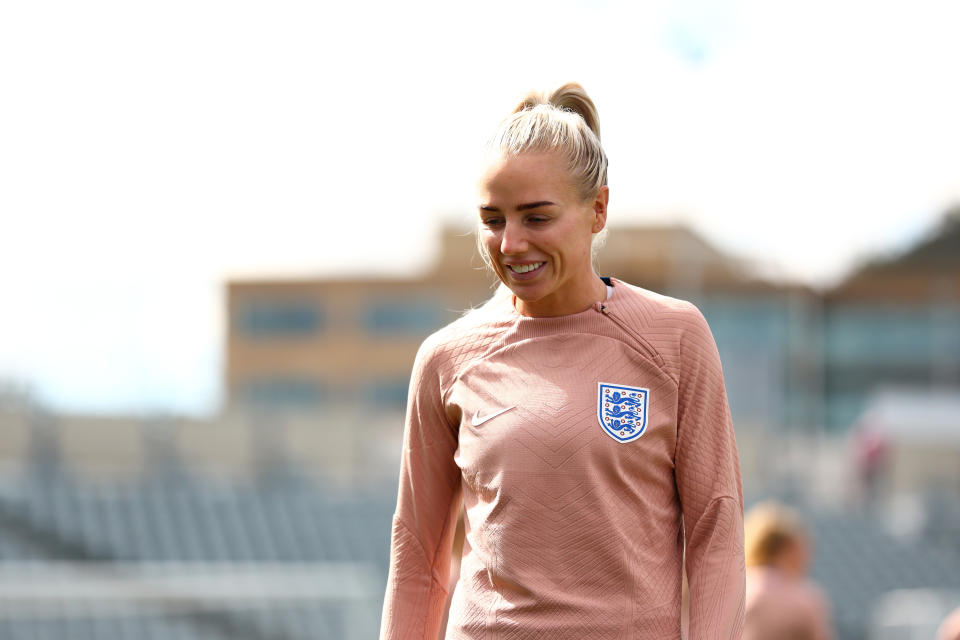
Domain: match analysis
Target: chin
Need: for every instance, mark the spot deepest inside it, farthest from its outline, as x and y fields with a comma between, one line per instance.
x=530, y=297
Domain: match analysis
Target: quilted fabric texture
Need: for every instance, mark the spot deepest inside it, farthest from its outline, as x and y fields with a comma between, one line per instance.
x=571, y=533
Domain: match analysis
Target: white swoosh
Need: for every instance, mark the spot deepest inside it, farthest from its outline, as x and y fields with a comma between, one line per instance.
x=477, y=420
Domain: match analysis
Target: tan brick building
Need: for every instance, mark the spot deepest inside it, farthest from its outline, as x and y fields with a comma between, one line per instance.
x=306, y=342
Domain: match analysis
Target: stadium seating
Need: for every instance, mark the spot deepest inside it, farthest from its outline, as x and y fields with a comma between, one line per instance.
x=181, y=519
x=291, y=519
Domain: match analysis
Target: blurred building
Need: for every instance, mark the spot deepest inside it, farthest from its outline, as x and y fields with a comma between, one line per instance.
x=895, y=321
x=320, y=342
x=324, y=341
x=793, y=357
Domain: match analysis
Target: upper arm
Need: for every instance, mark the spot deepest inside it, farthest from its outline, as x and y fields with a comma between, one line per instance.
x=707, y=464
x=708, y=484
x=429, y=478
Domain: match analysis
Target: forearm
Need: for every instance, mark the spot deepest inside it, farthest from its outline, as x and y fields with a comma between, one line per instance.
x=715, y=570
x=416, y=596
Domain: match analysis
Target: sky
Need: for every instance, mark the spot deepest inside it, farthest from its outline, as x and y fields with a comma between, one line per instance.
x=149, y=152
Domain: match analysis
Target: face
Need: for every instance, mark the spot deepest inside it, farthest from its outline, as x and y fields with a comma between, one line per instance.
x=795, y=557
x=537, y=231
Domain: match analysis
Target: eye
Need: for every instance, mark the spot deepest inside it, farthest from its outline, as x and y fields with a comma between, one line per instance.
x=538, y=219
x=491, y=221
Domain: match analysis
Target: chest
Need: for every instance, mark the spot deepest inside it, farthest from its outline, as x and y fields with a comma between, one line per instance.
x=576, y=408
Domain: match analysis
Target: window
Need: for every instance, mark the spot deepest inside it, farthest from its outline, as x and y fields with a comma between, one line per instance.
x=280, y=318
x=739, y=322
x=878, y=334
x=389, y=392
x=404, y=317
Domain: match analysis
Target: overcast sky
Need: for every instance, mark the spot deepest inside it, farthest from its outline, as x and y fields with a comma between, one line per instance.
x=150, y=151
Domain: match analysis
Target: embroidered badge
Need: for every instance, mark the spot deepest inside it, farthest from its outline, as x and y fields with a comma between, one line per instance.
x=622, y=411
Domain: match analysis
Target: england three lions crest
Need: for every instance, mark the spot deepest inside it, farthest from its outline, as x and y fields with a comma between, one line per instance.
x=622, y=411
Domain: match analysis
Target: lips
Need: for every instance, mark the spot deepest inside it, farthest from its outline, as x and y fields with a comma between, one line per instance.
x=526, y=270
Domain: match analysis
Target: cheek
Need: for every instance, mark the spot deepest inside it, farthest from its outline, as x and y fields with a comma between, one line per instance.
x=576, y=243
x=490, y=247
x=490, y=242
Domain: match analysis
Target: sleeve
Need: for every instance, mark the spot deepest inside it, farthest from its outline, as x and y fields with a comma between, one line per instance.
x=708, y=483
x=428, y=502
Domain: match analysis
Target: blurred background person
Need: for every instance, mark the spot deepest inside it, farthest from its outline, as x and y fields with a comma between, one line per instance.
x=781, y=603
x=950, y=629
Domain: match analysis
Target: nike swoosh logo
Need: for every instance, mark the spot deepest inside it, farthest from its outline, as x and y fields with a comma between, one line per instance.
x=477, y=420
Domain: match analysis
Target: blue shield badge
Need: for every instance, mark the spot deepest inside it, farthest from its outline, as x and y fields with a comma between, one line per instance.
x=622, y=411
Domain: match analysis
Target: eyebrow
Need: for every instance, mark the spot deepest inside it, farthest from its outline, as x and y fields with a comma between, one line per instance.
x=521, y=207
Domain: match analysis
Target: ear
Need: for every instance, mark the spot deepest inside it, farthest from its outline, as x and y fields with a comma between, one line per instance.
x=600, y=209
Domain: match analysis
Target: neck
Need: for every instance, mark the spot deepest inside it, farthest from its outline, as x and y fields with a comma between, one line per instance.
x=596, y=291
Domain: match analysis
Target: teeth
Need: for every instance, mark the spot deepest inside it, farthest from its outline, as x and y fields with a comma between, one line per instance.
x=524, y=268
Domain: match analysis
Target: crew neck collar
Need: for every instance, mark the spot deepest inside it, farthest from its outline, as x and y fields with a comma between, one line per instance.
x=596, y=306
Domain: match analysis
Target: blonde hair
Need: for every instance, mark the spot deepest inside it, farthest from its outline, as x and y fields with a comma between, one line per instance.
x=566, y=121
x=769, y=528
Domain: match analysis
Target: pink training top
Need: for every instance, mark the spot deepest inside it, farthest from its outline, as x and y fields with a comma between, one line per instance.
x=576, y=508
x=781, y=606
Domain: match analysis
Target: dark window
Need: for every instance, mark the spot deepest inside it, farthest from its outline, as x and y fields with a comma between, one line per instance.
x=403, y=317
x=265, y=319
x=741, y=322
x=879, y=334
x=389, y=392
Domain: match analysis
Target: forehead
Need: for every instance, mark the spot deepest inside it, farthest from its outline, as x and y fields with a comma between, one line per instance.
x=541, y=176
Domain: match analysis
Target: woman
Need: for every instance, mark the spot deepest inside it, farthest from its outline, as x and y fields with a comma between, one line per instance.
x=582, y=422
x=781, y=603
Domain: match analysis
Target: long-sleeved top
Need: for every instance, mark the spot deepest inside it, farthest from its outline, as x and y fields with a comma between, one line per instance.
x=589, y=451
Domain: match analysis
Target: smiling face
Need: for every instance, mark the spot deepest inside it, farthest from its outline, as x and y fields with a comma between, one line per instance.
x=537, y=231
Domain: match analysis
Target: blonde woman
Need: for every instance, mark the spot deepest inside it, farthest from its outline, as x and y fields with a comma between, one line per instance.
x=581, y=421
x=781, y=603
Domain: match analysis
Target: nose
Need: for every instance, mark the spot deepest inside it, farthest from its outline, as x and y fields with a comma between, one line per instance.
x=514, y=239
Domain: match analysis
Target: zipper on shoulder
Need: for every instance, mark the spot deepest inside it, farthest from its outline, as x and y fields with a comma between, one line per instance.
x=647, y=348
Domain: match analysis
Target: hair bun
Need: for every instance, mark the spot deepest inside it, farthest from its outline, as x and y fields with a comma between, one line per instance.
x=564, y=120
x=569, y=97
